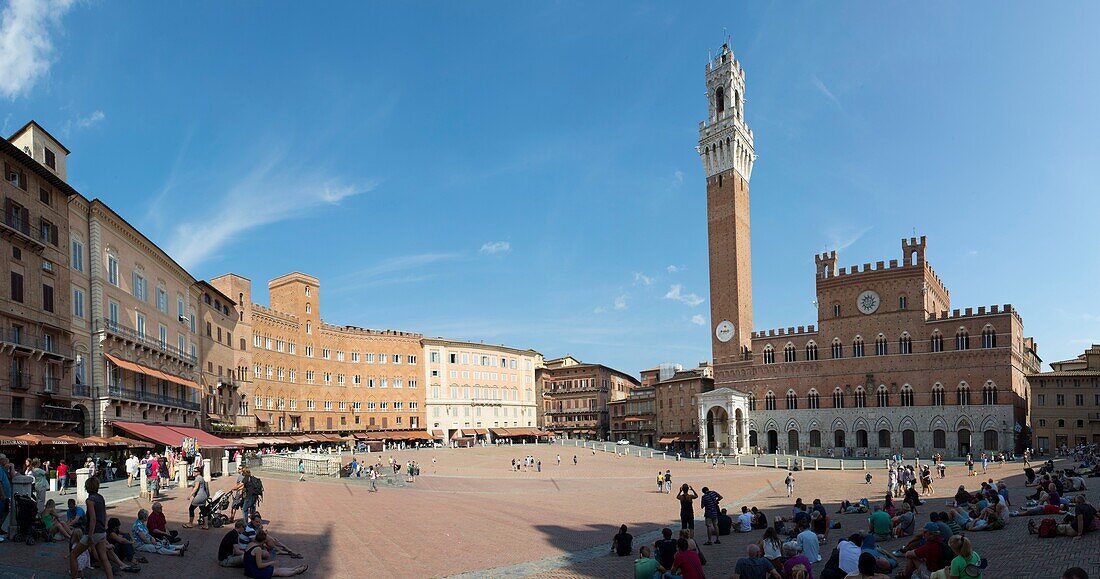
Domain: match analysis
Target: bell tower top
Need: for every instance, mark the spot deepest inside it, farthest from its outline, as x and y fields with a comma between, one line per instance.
x=725, y=140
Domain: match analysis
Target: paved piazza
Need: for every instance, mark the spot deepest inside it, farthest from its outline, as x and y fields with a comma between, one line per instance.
x=469, y=515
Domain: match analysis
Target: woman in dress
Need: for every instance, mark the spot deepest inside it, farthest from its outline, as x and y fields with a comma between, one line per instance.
x=687, y=512
x=259, y=565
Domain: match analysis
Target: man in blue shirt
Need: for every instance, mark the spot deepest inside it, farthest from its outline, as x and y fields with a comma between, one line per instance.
x=710, y=502
x=76, y=515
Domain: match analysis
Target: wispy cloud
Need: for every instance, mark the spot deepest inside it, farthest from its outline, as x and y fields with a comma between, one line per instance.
x=676, y=293
x=620, y=302
x=26, y=47
x=698, y=320
x=91, y=119
x=600, y=310
x=820, y=86
x=493, y=247
x=674, y=268
x=642, y=279
x=270, y=193
x=841, y=238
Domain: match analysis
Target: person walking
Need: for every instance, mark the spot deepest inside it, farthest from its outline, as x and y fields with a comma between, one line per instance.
x=62, y=476
x=574, y=460
x=373, y=480
x=301, y=470
x=668, y=481
x=789, y=481
x=559, y=460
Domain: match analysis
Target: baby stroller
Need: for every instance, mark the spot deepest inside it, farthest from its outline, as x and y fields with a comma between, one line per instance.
x=29, y=527
x=212, y=510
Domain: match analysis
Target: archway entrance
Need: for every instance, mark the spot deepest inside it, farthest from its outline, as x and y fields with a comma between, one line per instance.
x=773, y=441
x=739, y=429
x=754, y=440
x=964, y=441
x=718, y=428
x=792, y=441
x=838, y=439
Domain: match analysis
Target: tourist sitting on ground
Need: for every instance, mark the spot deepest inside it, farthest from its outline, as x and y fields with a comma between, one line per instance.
x=744, y=521
x=158, y=526
x=759, y=519
x=850, y=508
x=258, y=563
x=888, y=506
x=753, y=566
x=795, y=564
x=927, y=558
x=948, y=519
x=622, y=544
x=121, y=543
x=725, y=523
x=646, y=567
x=966, y=563
x=1082, y=520
x=962, y=497
x=1051, y=504
x=145, y=542
x=879, y=523
x=1030, y=476
x=771, y=547
x=54, y=525
x=848, y=550
x=819, y=524
x=934, y=525
x=912, y=498
x=686, y=563
x=886, y=561
x=866, y=568
x=230, y=553
x=1075, y=573
x=994, y=517
x=1073, y=482
x=904, y=523
x=809, y=542
x=75, y=517
x=664, y=549
x=272, y=544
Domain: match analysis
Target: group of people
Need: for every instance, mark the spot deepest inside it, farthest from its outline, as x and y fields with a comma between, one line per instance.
x=528, y=462
x=249, y=545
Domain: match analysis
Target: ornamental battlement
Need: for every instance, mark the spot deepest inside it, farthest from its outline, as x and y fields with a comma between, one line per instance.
x=789, y=331
x=957, y=314
x=913, y=258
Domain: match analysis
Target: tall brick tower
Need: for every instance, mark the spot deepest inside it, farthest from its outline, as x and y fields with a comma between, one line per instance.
x=725, y=146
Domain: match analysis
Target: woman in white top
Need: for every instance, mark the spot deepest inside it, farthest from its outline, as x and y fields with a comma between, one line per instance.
x=771, y=547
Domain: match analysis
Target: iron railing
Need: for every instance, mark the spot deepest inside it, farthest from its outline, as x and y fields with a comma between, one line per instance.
x=139, y=396
x=113, y=327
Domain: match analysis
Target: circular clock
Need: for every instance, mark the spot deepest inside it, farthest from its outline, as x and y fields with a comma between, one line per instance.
x=724, y=331
x=868, y=302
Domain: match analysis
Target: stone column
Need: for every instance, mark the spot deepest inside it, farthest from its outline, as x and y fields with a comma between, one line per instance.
x=181, y=475
x=82, y=475
x=225, y=465
x=144, y=490
x=206, y=469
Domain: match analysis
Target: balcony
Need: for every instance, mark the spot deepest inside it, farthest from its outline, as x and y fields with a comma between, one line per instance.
x=116, y=391
x=82, y=391
x=51, y=385
x=20, y=339
x=19, y=380
x=141, y=339
x=15, y=227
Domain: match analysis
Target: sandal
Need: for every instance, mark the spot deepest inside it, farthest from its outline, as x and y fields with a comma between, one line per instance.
x=131, y=569
x=295, y=555
x=188, y=526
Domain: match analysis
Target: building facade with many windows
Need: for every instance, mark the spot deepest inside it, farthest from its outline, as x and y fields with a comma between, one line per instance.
x=1065, y=402
x=575, y=396
x=36, y=337
x=474, y=388
x=888, y=367
x=307, y=375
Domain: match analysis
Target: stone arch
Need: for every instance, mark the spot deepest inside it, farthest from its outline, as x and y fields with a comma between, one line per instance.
x=838, y=424
x=859, y=424
x=813, y=424
x=938, y=422
x=752, y=424
x=883, y=424
x=792, y=424
x=771, y=425
x=989, y=423
x=907, y=423
x=964, y=422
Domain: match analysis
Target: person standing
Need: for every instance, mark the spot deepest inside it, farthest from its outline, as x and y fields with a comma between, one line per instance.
x=559, y=460
x=199, y=495
x=301, y=470
x=687, y=512
x=710, y=502
x=41, y=483
x=5, y=490
x=373, y=479
x=96, y=537
x=62, y=476
x=790, y=484
x=668, y=481
x=574, y=460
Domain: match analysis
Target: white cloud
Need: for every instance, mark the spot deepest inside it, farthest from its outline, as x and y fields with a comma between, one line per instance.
x=676, y=292
x=26, y=49
x=841, y=238
x=698, y=320
x=820, y=86
x=620, y=302
x=642, y=279
x=91, y=119
x=269, y=194
x=673, y=269
x=492, y=247
x=600, y=310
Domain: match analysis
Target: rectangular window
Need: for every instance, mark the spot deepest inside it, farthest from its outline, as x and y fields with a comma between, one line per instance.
x=339, y=356
x=412, y=359
x=257, y=341
x=162, y=300
x=397, y=358
x=181, y=343
x=163, y=334
x=76, y=259
x=17, y=287
x=454, y=358
x=112, y=312
x=179, y=308
x=309, y=351
x=325, y=353
x=112, y=270
x=51, y=162
x=368, y=358
x=78, y=302
x=141, y=325
x=291, y=348
x=138, y=288
x=47, y=298
x=355, y=356
x=1060, y=399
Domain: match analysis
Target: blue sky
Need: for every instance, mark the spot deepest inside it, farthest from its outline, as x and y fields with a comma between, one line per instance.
x=525, y=173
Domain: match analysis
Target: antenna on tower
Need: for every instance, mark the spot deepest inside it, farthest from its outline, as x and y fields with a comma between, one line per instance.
x=726, y=35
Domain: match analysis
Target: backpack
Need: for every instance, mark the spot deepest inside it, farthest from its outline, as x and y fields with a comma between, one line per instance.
x=787, y=481
x=149, y=470
x=1048, y=528
x=254, y=487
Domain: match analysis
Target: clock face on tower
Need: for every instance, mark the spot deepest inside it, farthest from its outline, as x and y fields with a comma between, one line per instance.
x=724, y=331
x=868, y=302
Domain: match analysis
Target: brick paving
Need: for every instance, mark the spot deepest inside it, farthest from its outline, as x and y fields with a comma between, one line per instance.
x=470, y=514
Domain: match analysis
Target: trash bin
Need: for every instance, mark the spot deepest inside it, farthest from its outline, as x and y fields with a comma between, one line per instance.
x=53, y=485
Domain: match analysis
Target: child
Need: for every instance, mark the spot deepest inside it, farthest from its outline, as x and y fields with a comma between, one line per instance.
x=868, y=478
x=84, y=560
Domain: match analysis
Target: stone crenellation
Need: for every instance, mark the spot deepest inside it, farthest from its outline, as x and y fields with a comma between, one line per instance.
x=992, y=310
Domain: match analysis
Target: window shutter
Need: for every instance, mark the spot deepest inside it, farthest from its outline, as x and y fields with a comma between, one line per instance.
x=22, y=180
x=8, y=208
x=25, y=217
x=53, y=235
x=134, y=284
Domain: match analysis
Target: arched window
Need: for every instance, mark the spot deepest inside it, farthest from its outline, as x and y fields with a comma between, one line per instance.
x=789, y=353
x=752, y=401
x=989, y=394
x=861, y=438
x=769, y=400
x=838, y=438
x=962, y=395
x=719, y=100
x=769, y=354
x=937, y=341
x=905, y=344
x=737, y=104
x=813, y=400
x=815, y=438
x=884, y=439
x=907, y=395
x=838, y=398
x=883, y=396
x=1061, y=424
x=939, y=438
x=861, y=398
x=937, y=395
x=989, y=337
x=811, y=351
x=908, y=438
x=857, y=347
x=838, y=349
x=792, y=400
x=880, y=345
x=962, y=339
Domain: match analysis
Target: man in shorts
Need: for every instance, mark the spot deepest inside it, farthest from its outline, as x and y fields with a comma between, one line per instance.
x=710, y=501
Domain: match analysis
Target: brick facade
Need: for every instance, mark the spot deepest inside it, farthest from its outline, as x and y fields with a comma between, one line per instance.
x=575, y=396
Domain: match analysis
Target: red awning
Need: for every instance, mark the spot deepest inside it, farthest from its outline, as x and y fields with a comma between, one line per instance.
x=135, y=367
x=205, y=439
x=173, y=435
x=438, y=434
